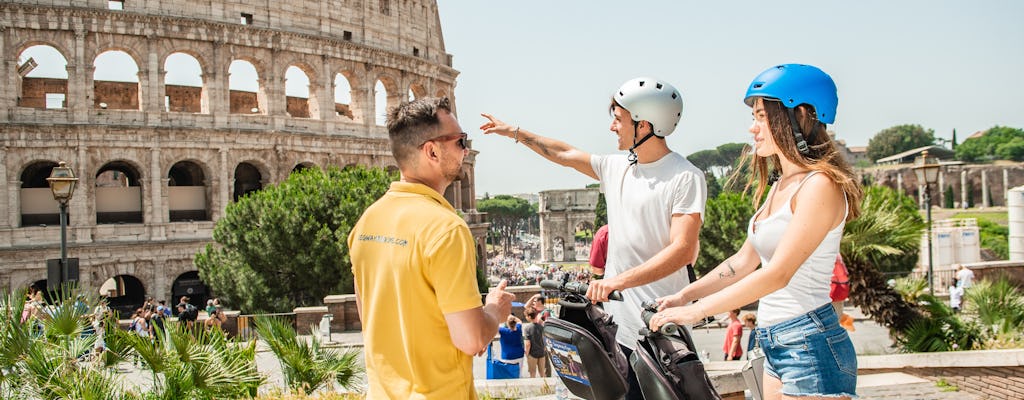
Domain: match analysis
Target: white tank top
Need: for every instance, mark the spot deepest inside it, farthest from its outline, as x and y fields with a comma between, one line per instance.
x=809, y=287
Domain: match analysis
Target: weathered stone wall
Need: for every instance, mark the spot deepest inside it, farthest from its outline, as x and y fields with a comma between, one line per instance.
x=211, y=127
x=116, y=95
x=34, y=91
x=986, y=184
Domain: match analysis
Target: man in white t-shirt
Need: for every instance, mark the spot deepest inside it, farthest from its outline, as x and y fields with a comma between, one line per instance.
x=655, y=201
x=964, y=277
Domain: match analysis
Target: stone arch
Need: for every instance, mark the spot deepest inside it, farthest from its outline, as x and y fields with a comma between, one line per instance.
x=179, y=94
x=56, y=42
x=191, y=285
x=248, y=178
x=242, y=99
x=118, y=193
x=417, y=91
x=41, y=85
x=561, y=211
x=304, y=166
x=296, y=105
x=37, y=204
x=188, y=192
x=116, y=94
x=124, y=293
x=558, y=249
x=386, y=99
x=584, y=236
x=344, y=106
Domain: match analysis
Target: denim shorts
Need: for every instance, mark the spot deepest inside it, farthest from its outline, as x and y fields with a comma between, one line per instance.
x=811, y=354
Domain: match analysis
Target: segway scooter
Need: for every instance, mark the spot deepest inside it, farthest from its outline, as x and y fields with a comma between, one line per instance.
x=581, y=344
x=666, y=362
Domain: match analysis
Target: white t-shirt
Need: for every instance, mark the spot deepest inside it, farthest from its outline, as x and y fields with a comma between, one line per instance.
x=955, y=295
x=641, y=200
x=965, y=278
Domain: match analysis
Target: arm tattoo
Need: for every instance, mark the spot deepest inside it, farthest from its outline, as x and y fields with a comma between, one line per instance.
x=730, y=274
x=541, y=148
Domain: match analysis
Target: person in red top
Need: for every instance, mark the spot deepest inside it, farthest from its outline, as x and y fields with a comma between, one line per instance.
x=599, y=252
x=733, y=336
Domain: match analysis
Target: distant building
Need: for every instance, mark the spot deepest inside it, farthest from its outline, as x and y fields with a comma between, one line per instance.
x=907, y=157
x=852, y=154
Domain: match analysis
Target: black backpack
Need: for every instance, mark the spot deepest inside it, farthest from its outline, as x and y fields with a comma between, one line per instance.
x=667, y=367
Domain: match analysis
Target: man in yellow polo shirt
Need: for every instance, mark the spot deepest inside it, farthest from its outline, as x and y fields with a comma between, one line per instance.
x=414, y=263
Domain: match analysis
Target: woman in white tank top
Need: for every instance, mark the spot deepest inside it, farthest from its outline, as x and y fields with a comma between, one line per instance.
x=794, y=236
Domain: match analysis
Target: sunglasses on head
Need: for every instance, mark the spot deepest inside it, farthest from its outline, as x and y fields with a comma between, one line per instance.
x=462, y=137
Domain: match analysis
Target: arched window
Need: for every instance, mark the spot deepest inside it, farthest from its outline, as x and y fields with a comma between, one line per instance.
x=343, y=97
x=44, y=78
x=124, y=293
x=116, y=82
x=187, y=192
x=118, y=194
x=247, y=179
x=299, y=103
x=37, y=204
x=380, y=103
x=244, y=87
x=183, y=85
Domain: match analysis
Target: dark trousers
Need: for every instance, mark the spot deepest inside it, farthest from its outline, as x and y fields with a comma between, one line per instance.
x=632, y=383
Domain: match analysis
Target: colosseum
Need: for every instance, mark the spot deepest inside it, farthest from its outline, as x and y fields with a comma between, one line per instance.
x=159, y=157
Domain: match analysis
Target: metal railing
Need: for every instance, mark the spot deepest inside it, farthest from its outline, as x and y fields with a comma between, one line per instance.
x=247, y=326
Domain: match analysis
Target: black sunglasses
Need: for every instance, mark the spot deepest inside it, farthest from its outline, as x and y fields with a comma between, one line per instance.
x=462, y=137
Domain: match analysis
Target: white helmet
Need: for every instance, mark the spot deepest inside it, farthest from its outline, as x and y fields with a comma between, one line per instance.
x=652, y=100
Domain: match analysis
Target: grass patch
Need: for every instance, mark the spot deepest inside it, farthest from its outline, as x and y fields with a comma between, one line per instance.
x=1001, y=218
x=946, y=386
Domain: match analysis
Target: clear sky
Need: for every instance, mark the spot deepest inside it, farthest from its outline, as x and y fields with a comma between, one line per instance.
x=551, y=67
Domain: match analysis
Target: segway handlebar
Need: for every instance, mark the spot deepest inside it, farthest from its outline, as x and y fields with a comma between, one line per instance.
x=578, y=288
x=651, y=307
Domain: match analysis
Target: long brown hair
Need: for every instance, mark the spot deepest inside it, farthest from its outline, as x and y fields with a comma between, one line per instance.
x=821, y=155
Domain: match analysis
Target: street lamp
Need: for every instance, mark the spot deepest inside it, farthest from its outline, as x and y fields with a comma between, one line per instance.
x=62, y=183
x=927, y=170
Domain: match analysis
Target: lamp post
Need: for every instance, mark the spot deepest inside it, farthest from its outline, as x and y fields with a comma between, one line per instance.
x=62, y=183
x=927, y=170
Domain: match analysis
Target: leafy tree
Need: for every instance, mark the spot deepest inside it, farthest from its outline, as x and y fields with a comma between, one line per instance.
x=601, y=210
x=898, y=139
x=886, y=235
x=999, y=142
x=508, y=215
x=717, y=164
x=286, y=246
x=948, y=197
x=724, y=229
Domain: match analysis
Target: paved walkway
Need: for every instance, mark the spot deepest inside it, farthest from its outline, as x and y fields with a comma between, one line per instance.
x=869, y=339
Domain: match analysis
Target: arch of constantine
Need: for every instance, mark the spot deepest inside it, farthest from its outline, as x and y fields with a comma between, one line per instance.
x=562, y=214
x=159, y=161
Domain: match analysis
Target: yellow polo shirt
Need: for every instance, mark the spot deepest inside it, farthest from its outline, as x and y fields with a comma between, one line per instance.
x=414, y=260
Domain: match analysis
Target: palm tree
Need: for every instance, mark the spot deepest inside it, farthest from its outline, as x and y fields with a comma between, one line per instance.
x=889, y=227
x=307, y=366
x=999, y=306
x=196, y=364
x=45, y=356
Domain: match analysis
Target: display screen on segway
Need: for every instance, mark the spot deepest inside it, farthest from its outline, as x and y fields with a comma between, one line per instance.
x=580, y=340
x=565, y=357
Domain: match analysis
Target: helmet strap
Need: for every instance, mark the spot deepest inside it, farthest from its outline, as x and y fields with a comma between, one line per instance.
x=801, y=144
x=632, y=157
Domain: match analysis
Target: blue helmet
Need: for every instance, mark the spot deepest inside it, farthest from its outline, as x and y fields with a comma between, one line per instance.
x=796, y=84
